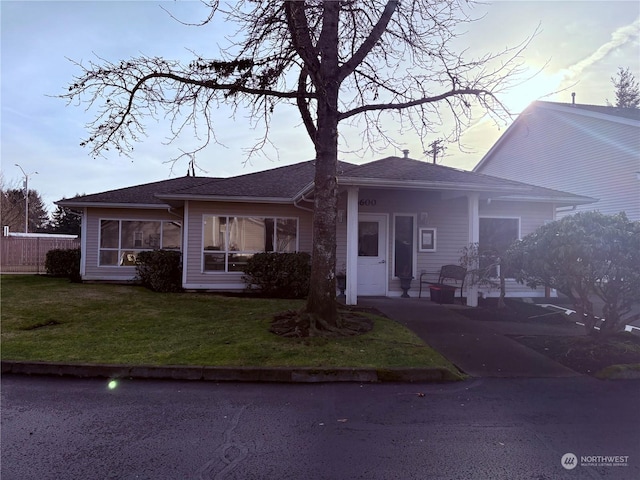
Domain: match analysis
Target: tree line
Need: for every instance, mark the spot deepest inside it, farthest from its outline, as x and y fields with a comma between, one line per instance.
x=12, y=211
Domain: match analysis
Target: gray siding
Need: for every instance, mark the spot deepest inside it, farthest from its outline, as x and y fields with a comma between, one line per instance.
x=93, y=271
x=450, y=219
x=575, y=153
x=195, y=277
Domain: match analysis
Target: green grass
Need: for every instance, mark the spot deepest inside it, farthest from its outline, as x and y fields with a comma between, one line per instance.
x=51, y=319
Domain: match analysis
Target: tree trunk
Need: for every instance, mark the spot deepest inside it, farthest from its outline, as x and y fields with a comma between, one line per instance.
x=321, y=304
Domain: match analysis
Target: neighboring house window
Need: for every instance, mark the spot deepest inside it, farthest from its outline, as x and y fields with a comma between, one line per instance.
x=229, y=242
x=496, y=235
x=121, y=240
x=404, y=242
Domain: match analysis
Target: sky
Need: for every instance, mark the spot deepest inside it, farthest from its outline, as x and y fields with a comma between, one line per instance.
x=579, y=46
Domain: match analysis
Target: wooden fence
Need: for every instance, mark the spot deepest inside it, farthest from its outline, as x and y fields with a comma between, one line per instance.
x=28, y=254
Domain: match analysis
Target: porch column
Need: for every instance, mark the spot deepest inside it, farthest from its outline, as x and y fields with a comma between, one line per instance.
x=474, y=237
x=84, y=229
x=351, y=295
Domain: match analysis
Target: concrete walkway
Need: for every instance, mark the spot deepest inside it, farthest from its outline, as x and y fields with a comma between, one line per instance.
x=478, y=348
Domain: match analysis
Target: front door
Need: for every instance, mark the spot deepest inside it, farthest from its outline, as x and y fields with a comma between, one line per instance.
x=372, y=255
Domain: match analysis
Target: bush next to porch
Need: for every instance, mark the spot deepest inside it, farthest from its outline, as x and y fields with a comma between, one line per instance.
x=279, y=275
x=63, y=263
x=160, y=270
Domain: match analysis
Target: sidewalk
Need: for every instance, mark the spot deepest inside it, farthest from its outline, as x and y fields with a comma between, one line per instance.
x=479, y=349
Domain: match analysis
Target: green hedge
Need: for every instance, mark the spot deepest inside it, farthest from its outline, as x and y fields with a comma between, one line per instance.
x=279, y=275
x=160, y=270
x=63, y=263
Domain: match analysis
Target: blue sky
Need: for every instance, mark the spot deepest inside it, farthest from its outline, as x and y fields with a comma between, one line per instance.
x=582, y=42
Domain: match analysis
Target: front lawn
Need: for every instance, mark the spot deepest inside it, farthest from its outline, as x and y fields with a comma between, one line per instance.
x=50, y=319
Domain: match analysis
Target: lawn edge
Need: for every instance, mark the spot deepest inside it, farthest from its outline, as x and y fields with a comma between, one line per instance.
x=233, y=374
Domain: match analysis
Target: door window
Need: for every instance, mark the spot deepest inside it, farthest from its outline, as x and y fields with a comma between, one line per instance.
x=368, y=237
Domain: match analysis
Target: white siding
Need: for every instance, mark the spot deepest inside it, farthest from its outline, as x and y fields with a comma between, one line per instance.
x=574, y=153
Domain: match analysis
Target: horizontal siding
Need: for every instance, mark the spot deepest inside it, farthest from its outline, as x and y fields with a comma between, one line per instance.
x=576, y=154
x=449, y=217
x=531, y=216
x=92, y=270
x=195, y=277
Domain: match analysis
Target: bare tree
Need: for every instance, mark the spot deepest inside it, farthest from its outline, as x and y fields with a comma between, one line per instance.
x=336, y=61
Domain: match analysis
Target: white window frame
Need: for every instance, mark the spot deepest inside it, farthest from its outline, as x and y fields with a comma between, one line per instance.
x=120, y=249
x=226, y=243
x=414, y=253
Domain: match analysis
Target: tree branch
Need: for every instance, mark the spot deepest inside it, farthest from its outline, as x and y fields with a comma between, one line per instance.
x=420, y=101
x=374, y=37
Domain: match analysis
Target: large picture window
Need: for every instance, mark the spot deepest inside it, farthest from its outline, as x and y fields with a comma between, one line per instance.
x=122, y=240
x=229, y=242
x=496, y=235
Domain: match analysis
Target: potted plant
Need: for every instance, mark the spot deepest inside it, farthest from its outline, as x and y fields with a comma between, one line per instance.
x=405, y=282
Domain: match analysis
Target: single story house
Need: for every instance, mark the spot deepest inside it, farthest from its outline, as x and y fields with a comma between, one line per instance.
x=591, y=150
x=396, y=216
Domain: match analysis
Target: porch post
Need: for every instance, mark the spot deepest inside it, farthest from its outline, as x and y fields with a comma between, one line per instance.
x=84, y=233
x=474, y=237
x=351, y=296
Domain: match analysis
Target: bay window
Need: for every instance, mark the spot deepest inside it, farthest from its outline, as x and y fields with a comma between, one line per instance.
x=229, y=242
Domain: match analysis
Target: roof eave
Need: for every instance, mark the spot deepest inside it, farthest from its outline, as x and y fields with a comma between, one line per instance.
x=72, y=204
x=429, y=185
x=570, y=200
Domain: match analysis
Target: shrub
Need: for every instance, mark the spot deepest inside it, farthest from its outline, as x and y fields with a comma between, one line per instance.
x=63, y=263
x=160, y=270
x=585, y=256
x=279, y=275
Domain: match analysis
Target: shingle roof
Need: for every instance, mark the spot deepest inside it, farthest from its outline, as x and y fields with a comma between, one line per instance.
x=630, y=113
x=408, y=169
x=286, y=183
x=139, y=194
x=280, y=182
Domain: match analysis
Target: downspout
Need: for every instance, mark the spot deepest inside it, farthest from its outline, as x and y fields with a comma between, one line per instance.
x=170, y=210
x=303, y=198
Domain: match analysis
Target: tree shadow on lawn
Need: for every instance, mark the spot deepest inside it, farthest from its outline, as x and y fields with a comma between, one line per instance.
x=586, y=354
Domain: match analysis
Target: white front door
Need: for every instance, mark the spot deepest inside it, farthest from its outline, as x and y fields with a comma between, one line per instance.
x=372, y=254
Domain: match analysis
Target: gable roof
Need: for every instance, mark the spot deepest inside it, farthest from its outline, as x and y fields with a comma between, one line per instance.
x=624, y=116
x=289, y=183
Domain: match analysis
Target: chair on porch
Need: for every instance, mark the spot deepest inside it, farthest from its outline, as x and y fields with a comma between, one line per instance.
x=448, y=278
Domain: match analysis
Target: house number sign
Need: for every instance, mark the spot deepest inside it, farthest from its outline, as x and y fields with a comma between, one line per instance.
x=367, y=202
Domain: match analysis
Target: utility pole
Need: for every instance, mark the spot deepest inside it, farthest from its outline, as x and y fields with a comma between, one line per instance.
x=436, y=148
x=26, y=197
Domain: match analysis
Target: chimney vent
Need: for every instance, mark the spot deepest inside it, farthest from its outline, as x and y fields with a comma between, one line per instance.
x=573, y=98
x=406, y=153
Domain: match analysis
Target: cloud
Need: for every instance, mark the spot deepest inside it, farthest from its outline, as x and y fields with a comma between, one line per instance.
x=619, y=38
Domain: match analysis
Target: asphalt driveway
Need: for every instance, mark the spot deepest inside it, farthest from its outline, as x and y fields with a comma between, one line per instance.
x=479, y=349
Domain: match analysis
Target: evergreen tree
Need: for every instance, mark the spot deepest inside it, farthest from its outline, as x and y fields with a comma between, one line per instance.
x=627, y=89
x=66, y=221
x=12, y=210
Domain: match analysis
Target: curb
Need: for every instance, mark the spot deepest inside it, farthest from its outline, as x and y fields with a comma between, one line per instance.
x=232, y=374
